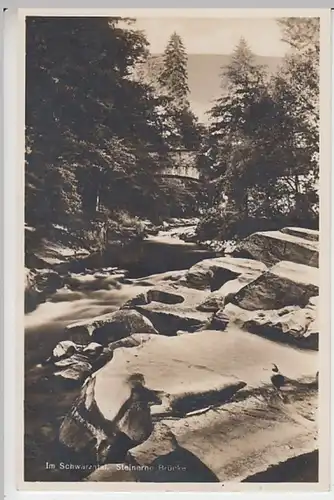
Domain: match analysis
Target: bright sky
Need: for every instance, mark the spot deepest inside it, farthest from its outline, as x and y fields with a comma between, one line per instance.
x=214, y=35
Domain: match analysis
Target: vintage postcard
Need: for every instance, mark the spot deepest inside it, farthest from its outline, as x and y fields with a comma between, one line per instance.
x=176, y=251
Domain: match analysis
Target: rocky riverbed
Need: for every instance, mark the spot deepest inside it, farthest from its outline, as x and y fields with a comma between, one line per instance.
x=163, y=371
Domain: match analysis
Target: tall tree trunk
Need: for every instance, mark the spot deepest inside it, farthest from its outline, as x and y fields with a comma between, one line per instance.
x=246, y=204
x=97, y=204
x=296, y=179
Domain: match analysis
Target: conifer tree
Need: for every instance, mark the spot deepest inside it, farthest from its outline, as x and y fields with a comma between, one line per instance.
x=263, y=141
x=234, y=124
x=182, y=127
x=174, y=75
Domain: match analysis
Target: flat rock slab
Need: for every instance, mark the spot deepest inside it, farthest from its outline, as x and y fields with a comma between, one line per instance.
x=271, y=247
x=232, y=443
x=292, y=324
x=75, y=368
x=172, y=307
x=168, y=319
x=198, y=363
x=307, y=234
x=284, y=284
x=216, y=300
x=211, y=274
x=187, y=373
x=110, y=327
x=188, y=361
x=173, y=366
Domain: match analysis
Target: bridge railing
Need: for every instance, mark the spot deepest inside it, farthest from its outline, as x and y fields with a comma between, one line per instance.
x=183, y=164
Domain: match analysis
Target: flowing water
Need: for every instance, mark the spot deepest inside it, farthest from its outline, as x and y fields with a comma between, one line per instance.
x=44, y=327
x=97, y=292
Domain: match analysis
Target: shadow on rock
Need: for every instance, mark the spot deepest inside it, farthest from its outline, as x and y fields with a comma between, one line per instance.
x=302, y=469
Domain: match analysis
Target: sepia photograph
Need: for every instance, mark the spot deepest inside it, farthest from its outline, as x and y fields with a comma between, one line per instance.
x=171, y=247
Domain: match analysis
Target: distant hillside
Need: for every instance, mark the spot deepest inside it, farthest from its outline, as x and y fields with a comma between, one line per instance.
x=204, y=72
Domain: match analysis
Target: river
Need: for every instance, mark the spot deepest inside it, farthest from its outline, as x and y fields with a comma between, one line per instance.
x=98, y=291
x=102, y=291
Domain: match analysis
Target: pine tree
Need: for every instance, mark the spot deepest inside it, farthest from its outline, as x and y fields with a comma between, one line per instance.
x=235, y=120
x=174, y=75
x=243, y=82
x=180, y=124
x=262, y=146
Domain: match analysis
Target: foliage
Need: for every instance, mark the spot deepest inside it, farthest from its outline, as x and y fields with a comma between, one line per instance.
x=260, y=156
x=237, y=119
x=89, y=126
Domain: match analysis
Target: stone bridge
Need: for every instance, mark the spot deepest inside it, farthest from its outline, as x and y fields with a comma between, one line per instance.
x=180, y=172
x=183, y=166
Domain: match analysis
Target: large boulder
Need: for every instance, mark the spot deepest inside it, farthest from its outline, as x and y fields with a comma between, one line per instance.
x=31, y=294
x=211, y=274
x=138, y=300
x=73, y=369
x=168, y=319
x=271, y=247
x=165, y=292
x=184, y=375
x=110, y=327
x=161, y=459
x=172, y=307
x=54, y=253
x=292, y=324
x=232, y=443
x=40, y=284
x=105, y=432
x=166, y=295
x=285, y=284
x=216, y=300
x=64, y=349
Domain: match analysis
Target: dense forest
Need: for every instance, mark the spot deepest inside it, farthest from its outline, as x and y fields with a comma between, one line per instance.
x=101, y=129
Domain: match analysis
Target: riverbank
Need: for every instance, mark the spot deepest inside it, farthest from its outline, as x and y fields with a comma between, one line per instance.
x=50, y=260
x=203, y=335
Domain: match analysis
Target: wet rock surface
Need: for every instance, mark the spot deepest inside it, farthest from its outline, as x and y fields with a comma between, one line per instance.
x=184, y=375
x=40, y=284
x=175, y=385
x=285, y=284
x=291, y=324
x=246, y=437
x=271, y=247
x=213, y=273
x=216, y=300
x=110, y=327
x=308, y=234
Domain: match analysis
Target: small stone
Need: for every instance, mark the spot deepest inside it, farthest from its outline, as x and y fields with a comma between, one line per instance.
x=66, y=348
